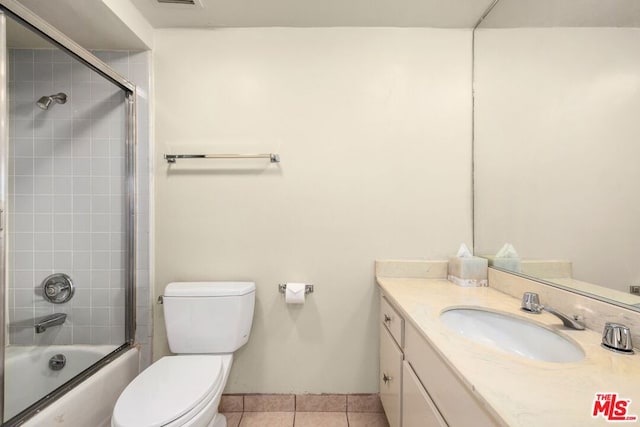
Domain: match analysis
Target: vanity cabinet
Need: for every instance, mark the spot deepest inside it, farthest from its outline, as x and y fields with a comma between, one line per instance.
x=452, y=398
x=390, y=378
x=418, y=410
x=391, y=341
x=392, y=321
x=417, y=388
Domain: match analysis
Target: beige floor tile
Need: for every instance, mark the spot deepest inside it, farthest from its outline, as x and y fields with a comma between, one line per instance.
x=233, y=418
x=321, y=403
x=267, y=419
x=321, y=419
x=367, y=419
x=269, y=403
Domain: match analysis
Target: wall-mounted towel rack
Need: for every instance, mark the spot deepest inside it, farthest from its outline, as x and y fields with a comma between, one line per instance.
x=273, y=158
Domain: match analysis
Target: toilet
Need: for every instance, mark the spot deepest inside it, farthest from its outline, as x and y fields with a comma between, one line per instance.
x=206, y=322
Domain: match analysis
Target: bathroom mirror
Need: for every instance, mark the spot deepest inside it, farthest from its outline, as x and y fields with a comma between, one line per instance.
x=556, y=110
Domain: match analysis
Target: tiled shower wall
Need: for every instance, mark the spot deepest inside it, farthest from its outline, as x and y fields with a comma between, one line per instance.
x=66, y=196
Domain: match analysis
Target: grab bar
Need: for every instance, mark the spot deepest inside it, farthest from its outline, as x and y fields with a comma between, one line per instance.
x=273, y=158
x=42, y=323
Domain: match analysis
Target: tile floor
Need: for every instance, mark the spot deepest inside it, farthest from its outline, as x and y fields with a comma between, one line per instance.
x=305, y=410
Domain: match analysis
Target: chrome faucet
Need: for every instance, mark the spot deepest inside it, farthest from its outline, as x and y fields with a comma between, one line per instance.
x=42, y=323
x=531, y=303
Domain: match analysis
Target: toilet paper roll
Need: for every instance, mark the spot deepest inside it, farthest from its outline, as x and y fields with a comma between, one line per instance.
x=294, y=293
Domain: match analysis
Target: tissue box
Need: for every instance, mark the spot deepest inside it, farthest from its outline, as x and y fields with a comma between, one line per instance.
x=511, y=264
x=474, y=268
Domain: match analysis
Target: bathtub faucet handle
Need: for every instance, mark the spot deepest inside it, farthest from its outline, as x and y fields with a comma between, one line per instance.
x=58, y=288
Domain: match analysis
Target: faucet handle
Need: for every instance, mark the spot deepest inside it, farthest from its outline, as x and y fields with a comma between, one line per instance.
x=531, y=302
x=617, y=337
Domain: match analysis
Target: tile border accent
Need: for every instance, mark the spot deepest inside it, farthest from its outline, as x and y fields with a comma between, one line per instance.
x=255, y=402
x=321, y=403
x=364, y=403
x=269, y=402
x=231, y=403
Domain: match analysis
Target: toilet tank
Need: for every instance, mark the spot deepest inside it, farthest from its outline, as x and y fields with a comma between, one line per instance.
x=208, y=317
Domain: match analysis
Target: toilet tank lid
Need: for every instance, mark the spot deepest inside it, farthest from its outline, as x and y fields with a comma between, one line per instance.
x=208, y=289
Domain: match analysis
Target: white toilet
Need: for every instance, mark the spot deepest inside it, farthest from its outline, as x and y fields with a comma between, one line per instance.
x=206, y=322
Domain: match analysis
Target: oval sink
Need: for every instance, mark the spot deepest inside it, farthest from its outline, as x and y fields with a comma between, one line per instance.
x=511, y=334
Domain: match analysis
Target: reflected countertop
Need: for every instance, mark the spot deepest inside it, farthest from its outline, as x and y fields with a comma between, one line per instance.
x=599, y=291
x=517, y=390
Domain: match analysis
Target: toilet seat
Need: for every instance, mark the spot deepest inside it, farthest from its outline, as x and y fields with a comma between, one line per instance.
x=168, y=390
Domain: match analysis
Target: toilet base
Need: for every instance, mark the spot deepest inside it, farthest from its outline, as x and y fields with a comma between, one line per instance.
x=218, y=421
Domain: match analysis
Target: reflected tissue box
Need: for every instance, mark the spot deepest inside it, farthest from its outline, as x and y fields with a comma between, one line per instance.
x=511, y=264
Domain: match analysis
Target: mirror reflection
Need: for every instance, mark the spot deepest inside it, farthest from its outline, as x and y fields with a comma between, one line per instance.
x=556, y=143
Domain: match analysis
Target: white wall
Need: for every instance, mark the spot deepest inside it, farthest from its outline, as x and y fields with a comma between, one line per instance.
x=557, y=127
x=373, y=126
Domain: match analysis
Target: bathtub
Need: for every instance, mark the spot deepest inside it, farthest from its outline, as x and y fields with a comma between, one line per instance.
x=29, y=378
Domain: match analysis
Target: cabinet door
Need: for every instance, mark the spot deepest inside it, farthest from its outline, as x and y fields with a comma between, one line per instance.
x=418, y=410
x=390, y=377
x=454, y=400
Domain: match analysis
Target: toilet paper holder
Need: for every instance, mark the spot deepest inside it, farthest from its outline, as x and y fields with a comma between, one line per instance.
x=282, y=288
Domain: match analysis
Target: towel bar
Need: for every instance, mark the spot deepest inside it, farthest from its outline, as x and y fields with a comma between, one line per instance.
x=273, y=158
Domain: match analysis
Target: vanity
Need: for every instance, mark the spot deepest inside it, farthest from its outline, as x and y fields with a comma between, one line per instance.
x=432, y=376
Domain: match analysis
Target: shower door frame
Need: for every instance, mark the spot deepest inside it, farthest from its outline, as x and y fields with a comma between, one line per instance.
x=27, y=18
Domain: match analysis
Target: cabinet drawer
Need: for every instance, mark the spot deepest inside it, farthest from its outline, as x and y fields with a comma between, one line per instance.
x=446, y=390
x=418, y=410
x=390, y=377
x=392, y=321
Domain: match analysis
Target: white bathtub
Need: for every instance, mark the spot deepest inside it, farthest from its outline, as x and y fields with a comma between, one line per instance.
x=28, y=377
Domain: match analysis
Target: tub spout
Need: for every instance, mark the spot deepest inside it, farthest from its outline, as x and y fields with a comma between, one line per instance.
x=42, y=323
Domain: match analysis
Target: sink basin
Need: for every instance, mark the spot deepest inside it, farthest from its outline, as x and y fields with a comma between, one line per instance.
x=511, y=334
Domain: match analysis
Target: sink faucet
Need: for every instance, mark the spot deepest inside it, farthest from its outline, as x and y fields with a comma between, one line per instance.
x=531, y=303
x=42, y=323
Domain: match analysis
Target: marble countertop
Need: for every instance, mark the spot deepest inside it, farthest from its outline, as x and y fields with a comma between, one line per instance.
x=517, y=390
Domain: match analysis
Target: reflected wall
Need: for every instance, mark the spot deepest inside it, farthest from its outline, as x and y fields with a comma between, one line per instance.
x=556, y=148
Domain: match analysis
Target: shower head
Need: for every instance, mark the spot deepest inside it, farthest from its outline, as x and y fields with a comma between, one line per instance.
x=46, y=101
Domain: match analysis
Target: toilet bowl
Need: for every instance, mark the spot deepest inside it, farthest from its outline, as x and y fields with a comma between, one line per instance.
x=206, y=322
x=175, y=391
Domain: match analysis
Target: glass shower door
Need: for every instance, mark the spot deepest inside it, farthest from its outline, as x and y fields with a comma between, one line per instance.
x=68, y=239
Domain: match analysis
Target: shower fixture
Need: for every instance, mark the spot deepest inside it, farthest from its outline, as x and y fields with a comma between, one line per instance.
x=45, y=101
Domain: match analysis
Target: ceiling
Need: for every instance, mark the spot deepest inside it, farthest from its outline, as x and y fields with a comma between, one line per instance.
x=564, y=13
x=90, y=23
x=315, y=13
x=392, y=13
x=128, y=24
